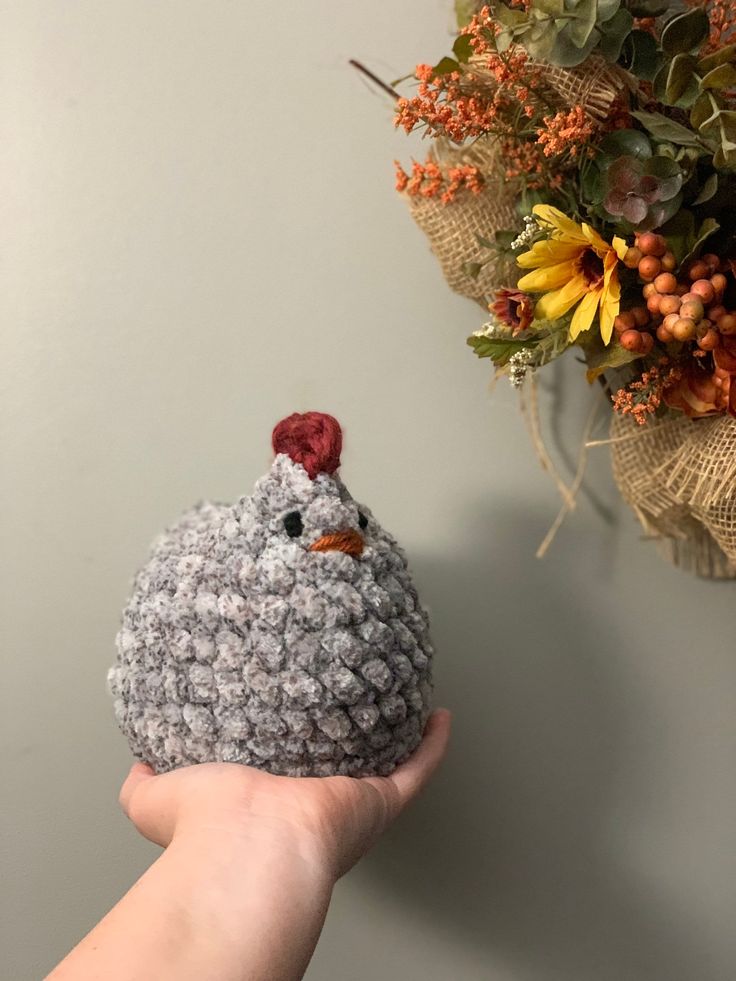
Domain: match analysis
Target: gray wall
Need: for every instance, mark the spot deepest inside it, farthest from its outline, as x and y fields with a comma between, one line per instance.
x=201, y=235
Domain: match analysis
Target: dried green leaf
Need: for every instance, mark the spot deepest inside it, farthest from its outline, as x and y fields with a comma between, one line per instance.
x=591, y=184
x=464, y=11
x=640, y=55
x=680, y=233
x=607, y=10
x=472, y=269
x=725, y=157
x=709, y=227
x=626, y=142
x=720, y=57
x=462, y=48
x=680, y=81
x=661, y=212
x=503, y=238
x=665, y=129
x=722, y=77
x=614, y=33
x=686, y=32
x=582, y=23
x=504, y=39
x=556, y=341
x=552, y=8
x=510, y=17
x=661, y=166
x=445, y=66
x=599, y=357
x=726, y=136
x=566, y=54
x=705, y=112
x=708, y=190
x=498, y=349
x=648, y=8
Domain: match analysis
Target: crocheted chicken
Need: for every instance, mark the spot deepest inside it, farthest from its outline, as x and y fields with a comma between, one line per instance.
x=282, y=631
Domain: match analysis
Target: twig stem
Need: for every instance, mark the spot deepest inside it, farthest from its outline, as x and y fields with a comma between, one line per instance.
x=374, y=78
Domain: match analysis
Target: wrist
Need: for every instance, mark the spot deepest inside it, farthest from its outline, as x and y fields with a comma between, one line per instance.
x=245, y=851
x=236, y=893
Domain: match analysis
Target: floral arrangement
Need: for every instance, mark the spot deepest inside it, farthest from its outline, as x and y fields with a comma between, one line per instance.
x=581, y=186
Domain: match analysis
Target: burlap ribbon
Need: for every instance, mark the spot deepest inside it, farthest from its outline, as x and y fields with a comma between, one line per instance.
x=679, y=476
x=594, y=85
x=452, y=228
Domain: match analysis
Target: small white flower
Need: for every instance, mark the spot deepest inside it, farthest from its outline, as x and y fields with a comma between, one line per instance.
x=519, y=365
x=528, y=233
x=492, y=329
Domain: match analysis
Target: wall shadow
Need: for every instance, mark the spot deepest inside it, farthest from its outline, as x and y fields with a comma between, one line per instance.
x=512, y=846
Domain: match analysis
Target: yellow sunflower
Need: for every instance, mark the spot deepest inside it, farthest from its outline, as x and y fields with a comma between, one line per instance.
x=574, y=265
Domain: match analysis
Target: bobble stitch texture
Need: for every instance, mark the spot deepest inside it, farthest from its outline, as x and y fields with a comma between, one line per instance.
x=244, y=643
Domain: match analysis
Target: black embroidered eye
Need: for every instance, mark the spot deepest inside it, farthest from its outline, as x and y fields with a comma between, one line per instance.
x=293, y=524
x=362, y=521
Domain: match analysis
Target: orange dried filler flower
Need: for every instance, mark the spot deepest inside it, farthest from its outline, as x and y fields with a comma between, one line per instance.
x=427, y=180
x=463, y=105
x=641, y=398
x=565, y=132
x=441, y=106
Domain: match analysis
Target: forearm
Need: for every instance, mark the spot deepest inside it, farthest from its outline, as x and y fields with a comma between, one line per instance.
x=225, y=911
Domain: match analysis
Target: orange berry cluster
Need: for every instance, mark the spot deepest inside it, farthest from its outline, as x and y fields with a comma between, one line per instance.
x=686, y=309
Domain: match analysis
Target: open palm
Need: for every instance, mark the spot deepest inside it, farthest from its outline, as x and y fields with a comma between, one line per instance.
x=332, y=819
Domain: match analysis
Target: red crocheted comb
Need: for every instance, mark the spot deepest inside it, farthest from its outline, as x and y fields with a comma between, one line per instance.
x=313, y=439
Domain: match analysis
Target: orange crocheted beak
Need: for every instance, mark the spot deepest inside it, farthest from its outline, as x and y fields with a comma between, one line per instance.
x=349, y=541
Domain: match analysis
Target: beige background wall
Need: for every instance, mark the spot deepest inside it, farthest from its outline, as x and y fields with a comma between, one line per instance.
x=200, y=235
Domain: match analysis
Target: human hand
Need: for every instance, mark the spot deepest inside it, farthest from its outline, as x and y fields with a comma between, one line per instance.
x=329, y=821
x=245, y=882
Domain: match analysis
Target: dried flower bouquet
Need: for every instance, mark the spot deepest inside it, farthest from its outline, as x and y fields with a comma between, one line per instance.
x=581, y=186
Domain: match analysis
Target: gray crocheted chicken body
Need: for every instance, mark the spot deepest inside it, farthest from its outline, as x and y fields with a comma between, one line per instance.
x=283, y=631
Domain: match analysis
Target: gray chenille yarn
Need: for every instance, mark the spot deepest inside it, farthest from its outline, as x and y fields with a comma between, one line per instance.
x=282, y=631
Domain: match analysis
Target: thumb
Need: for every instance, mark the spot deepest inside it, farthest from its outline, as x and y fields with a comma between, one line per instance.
x=412, y=776
x=140, y=773
x=144, y=801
